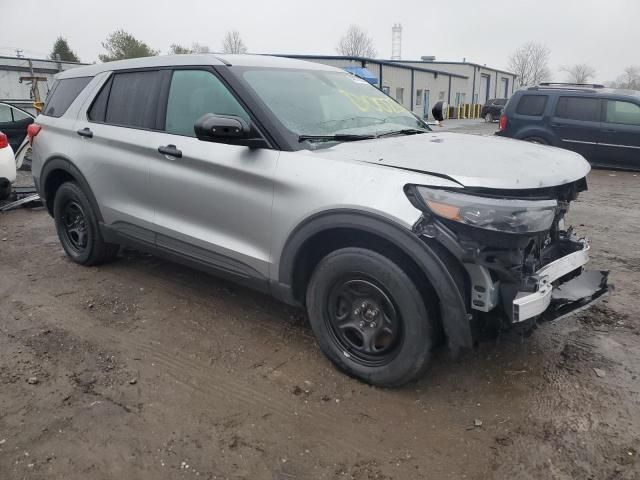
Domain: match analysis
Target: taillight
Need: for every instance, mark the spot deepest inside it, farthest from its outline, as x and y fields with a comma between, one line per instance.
x=32, y=131
x=503, y=122
x=4, y=142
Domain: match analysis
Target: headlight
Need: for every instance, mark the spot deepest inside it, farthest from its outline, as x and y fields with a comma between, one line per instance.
x=500, y=214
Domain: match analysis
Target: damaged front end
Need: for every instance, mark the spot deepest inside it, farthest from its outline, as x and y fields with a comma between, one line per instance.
x=521, y=263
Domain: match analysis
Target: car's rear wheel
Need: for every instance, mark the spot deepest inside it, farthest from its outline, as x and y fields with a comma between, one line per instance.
x=369, y=318
x=77, y=227
x=538, y=140
x=489, y=117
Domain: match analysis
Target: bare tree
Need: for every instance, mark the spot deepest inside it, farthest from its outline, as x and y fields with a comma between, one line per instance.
x=177, y=49
x=631, y=78
x=233, y=43
x=530, y=63
x=579, y=73
x=356, y=43
x=199, y=48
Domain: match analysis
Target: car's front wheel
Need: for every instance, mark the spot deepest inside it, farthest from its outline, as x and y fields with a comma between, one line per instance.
x=77, y=227
x=369, y=317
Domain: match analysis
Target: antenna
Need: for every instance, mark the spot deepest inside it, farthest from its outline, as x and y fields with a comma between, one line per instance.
x=19, y=53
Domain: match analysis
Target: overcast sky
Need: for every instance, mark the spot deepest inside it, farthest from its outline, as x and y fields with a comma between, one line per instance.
x=604, y=34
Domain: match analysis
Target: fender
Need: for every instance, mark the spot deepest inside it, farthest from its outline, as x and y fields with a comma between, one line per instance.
x=62, y=163
x=536, y=131
x=455, y=319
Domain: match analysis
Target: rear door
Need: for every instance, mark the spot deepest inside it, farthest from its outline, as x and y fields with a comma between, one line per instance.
x=212, y=200
x=620, y=141
x=120, y=136
x=576, y=124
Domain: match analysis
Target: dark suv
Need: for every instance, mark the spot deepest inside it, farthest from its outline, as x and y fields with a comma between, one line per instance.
x=602, y=124
x=493, y=109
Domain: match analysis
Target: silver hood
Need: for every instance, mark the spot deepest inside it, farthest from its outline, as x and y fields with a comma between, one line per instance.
x=471, y=160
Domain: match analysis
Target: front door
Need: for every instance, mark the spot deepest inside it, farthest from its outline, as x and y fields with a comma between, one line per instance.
x=576, y=124
x=212, y=200
x=619, y=144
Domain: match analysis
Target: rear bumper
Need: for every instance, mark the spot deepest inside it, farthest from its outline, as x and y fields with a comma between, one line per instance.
x=555, y=297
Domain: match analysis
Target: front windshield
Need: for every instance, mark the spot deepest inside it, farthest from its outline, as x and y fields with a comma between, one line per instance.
x=326, y=103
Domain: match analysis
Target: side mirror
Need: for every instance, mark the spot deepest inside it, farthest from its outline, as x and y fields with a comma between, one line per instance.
x=221, y=128
x=438, y=111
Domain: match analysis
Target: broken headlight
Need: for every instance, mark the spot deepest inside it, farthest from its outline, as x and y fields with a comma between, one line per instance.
x=499, y=214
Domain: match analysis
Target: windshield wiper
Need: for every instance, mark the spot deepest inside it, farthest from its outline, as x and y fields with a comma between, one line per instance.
x=404, y=131
x=340, y=137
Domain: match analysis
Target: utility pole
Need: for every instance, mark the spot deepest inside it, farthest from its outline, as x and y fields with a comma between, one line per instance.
x=18, y=53
x=35, y=91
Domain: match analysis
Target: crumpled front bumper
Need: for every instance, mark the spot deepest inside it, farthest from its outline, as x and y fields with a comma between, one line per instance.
x=554, y=297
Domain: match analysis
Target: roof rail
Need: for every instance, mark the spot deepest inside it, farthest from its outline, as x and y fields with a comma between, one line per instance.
x=568, y=84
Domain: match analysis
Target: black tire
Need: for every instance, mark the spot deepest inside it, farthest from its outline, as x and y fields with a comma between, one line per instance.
x=538, y=140
x=400, y=349
x=5, y=192
x=77, y=227
x=488, y=117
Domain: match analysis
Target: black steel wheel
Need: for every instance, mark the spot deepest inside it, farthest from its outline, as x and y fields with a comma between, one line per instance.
x=74, y=226
x=77, y=227
x=369, y=317
x=363, y=320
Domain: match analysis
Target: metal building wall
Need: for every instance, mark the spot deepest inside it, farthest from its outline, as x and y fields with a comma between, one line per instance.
x=12, y=68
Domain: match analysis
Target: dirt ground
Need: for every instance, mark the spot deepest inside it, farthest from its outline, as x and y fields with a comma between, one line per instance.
x=143, y=369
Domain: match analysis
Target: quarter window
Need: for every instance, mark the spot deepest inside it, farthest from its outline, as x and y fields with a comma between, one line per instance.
x=194, y=93
x=62, y=95
x=579, y=108
x=625, y=113
x=133, y=99
x=532, y=105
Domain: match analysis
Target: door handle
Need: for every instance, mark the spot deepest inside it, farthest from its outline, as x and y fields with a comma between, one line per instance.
x=170, y=150
x=85, y=132
x=609, y=130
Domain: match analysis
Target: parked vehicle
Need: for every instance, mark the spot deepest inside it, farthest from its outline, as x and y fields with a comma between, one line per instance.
x=7, y=167
x=308, y=183
x=492, y=110
x=14, y=123
x=601, y=124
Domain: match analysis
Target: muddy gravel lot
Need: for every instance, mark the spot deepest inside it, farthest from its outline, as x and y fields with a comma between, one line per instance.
x=143, y=369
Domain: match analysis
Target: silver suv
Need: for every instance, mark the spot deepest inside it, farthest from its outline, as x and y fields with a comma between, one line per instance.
x=308, y=183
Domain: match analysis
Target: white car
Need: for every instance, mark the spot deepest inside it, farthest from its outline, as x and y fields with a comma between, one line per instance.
x=7, y=167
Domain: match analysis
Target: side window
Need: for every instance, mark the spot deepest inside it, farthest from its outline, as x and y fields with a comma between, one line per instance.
x=194, y=93
x=19, y=115
x=532, y=105
x=133, y=99
x=5, y=114
x=625, y=113
x=63, y=94
x=579, y=108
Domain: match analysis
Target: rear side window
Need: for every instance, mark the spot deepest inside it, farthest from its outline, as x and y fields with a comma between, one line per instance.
x=579, y=108
x=63, y=94
x=625, y=113
x=532, y=105
x=133, y=99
